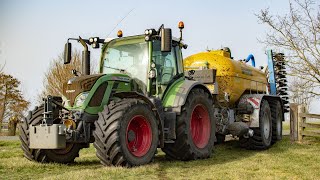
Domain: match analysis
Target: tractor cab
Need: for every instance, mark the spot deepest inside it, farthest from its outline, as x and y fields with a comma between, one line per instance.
x=144, y=59
x=128, y=56
x=146, y=64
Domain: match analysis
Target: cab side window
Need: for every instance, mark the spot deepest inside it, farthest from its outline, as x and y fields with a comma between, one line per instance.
x=179, y=59
x=165, y=63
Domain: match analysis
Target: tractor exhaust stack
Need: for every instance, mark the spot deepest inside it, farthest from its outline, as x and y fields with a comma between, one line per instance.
x=85, y=58
x=85, y=62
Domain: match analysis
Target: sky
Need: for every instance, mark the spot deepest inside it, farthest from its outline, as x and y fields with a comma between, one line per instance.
x=33, y=33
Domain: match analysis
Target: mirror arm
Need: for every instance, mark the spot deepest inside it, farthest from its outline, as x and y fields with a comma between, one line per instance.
x=83, y=43
x=73, y=39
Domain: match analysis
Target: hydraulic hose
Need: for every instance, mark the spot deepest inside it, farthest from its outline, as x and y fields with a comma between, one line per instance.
x=251, y=57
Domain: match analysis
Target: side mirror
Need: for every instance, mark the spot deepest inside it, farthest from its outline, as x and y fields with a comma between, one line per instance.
x=67, y=53
x=166, y=40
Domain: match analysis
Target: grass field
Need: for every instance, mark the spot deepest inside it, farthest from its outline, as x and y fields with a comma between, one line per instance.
x=286, y=126
x=283, y=161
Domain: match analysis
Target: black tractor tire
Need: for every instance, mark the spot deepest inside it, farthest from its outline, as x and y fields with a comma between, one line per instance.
x=277, y=118
x=262, y=136
x=185, y=146
x=64, y=156
x=115, y=127
x=220, y=138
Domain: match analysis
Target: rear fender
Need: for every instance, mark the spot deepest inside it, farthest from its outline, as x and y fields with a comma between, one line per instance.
x=255, y=101
x=177, y=95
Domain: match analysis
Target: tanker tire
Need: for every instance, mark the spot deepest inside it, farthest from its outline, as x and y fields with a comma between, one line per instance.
x=184, y=148
x=220, y=138
x=111, y=128
x=258, y=141
x=277, y=118
x=35, y=117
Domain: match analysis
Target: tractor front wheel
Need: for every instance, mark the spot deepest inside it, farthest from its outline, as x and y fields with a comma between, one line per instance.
x=66, y=155
x=126, y=134
x=195, y=129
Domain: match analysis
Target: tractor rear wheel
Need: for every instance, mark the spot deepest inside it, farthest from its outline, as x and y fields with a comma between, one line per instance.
x=277, y=118
x=262, y=136
x=126, y=134
x=195, y=129
x=66, y=155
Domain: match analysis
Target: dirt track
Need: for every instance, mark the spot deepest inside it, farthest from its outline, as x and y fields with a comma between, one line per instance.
x=9, y=138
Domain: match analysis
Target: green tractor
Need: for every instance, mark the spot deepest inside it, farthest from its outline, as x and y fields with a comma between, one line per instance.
x=147, y=97
x=141, y=100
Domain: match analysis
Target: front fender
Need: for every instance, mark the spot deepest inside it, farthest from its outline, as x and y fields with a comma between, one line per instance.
x=178, y=93
x=99, y=94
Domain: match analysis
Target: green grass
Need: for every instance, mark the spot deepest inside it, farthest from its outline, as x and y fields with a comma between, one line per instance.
x=286, y=126
x=283, y=161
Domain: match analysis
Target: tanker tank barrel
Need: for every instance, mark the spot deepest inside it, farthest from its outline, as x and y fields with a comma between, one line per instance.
x=233, y=77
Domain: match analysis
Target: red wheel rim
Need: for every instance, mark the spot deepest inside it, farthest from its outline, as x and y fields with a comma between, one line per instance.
x=200, y=126
x=138, y=136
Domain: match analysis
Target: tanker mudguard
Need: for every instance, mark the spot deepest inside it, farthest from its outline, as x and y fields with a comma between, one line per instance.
x=183, y=91
x=255, y=101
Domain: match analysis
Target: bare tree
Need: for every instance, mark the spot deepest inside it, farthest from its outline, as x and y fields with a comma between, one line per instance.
x=298, y=89
x=297, y=33
x=2, y=67
x=59, y=73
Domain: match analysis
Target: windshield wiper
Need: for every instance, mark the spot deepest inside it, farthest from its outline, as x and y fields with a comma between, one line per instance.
x=121, y=70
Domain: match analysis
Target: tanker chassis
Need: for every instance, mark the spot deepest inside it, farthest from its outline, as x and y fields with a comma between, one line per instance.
x=147, y=97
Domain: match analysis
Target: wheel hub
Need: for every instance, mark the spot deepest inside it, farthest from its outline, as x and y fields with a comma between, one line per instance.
x=139, y=136
x=200, y=126
x=131, y=136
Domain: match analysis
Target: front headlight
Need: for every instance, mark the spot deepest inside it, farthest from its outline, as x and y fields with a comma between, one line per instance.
x=65, y=102
x=81, y=98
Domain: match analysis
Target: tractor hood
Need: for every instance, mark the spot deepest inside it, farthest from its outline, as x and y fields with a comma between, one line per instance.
x=77, y=85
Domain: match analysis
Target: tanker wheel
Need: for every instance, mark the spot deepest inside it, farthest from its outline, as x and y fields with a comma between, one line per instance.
x=262, y=136
x=220, y=138
x=277, y=118
x=195, y=129
x=126, y=134
x=66, y=155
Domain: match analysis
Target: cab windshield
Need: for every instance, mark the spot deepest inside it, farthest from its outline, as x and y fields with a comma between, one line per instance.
x=128, y=56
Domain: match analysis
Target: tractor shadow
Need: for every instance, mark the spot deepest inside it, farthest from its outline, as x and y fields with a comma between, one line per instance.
x=87, y=163
x=229, y=151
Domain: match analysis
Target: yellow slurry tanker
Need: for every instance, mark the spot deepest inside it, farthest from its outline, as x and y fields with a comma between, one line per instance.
x=234, y=78
x=246, y=96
